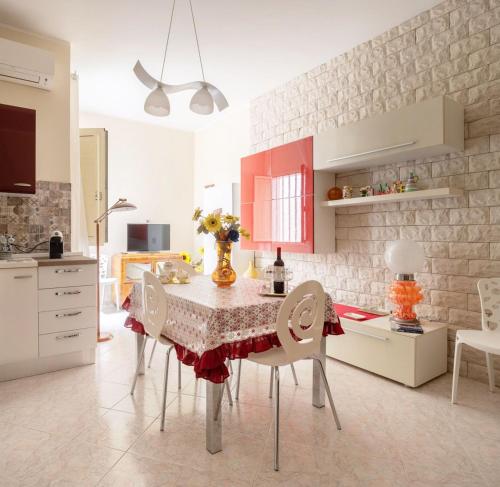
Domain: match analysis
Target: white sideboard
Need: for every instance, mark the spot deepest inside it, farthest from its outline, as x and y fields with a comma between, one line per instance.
x=49, y=316
x=403, y=357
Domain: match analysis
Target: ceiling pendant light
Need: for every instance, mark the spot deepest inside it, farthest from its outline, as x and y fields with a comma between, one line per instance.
x=203, y=100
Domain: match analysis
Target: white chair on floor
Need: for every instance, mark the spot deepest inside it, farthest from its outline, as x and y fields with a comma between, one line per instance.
x=179, y=265
x=488, y=339
x=302, y=312
x=105, y=281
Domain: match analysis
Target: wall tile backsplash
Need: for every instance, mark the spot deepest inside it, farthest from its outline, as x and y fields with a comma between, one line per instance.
x=452, y=49
x=32, y=219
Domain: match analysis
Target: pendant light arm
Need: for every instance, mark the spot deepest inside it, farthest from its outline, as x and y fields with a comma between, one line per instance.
x=197, y=42
x=168, y=38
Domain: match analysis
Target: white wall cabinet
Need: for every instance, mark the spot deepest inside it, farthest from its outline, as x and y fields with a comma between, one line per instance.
x=18, y=315
x=425, y=129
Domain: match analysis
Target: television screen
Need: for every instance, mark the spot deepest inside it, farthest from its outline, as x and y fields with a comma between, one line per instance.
x=148, y=237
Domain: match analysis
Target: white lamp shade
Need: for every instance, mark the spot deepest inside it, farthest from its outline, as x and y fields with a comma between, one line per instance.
x=157, y=103
x=404, y=257
x=202, y=102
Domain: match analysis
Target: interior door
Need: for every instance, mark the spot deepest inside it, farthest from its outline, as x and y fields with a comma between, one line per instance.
x=94, y=171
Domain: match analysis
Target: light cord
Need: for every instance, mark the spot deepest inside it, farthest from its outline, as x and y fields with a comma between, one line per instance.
x=197, y=42
x=168, y=38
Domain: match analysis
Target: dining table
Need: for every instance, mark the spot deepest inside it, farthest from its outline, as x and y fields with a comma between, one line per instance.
x=209, y=325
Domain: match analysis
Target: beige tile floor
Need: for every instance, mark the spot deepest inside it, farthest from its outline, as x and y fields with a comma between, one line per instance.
x=81, y=427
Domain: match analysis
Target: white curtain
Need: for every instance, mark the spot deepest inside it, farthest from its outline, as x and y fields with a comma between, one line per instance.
x=79, y=235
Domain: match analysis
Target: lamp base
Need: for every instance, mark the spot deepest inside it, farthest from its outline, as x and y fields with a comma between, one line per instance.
x=104, y=337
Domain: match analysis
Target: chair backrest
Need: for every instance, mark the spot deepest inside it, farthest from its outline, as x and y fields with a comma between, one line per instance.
x=489, y=294
x=304, y=310
x=154, y=304
x=184, y=266
x=103, y=266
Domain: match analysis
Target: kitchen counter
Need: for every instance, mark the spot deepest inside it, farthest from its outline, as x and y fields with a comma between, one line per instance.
x=66, y=260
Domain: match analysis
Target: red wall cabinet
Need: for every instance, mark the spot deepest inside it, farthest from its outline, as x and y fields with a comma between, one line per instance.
x=17, y=150
x=278, y=203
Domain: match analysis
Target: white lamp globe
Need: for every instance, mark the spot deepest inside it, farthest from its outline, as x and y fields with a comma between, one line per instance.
x=202, y=102
x=157, y=103
x=404, y=257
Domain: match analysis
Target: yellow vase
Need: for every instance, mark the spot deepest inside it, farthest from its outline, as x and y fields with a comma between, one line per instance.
x=252, y=272
x=223, y=275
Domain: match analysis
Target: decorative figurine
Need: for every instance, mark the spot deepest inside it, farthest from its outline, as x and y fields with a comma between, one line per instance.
x=411, y=183
x=334, y=193
x=366, y=191
x=347, y=192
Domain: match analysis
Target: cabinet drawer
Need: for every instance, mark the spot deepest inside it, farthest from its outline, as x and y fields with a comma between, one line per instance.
x=66, y=342
x=66, y=275
x=67, y=319
x=66, y=297
x=382, y=352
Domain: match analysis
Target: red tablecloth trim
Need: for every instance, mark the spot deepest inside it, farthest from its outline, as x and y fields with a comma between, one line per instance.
x=211, y=364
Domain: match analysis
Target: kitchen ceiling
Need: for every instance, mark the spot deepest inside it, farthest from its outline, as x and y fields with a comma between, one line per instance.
x=248, y=46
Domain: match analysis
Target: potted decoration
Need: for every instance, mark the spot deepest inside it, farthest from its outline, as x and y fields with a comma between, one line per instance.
x=226, y=230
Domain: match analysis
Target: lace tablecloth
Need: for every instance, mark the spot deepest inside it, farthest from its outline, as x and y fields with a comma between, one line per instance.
x=209, y=324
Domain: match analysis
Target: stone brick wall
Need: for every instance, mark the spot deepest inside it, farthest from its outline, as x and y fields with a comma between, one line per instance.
x=452, y=49
x=32, y=219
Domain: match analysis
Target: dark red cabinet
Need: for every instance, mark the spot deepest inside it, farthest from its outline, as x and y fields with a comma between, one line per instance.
x=277, y=202
x=17, y=149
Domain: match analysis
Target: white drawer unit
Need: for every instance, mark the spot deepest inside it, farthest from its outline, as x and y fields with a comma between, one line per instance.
x=66, y=320
x=67, y=275
x=66, y=297
x=66, y=342
x=404, y=357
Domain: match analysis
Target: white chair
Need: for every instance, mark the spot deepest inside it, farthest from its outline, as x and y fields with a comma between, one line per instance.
x=105, y=281
x=487, y=339
x=154, y=318
x=179, y=265
x=302, y=312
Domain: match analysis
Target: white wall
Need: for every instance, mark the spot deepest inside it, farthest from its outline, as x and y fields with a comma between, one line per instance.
x=218, y=150
x=152, y=167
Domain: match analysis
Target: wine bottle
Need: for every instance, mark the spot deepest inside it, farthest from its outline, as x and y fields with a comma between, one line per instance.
x=279, y=273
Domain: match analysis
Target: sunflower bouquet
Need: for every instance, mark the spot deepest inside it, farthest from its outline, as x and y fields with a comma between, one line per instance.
x=224, y=227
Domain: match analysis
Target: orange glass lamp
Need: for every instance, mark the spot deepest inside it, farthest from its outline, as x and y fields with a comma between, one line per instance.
x=404, y=258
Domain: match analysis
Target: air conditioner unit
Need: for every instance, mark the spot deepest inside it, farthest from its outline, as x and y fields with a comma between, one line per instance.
x=27, y=65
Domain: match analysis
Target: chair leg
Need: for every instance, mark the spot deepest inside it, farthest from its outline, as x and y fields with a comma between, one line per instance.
x=230, y=363
x=271, y=384
x=179, y=376
x=276, y=417
x=329, y=394
x=294, y=375
x=165, y=383
x=238, y=377
x=456, y=371
x=117, y=296
x=491, y=371
x=139, y=363
x=152, y=353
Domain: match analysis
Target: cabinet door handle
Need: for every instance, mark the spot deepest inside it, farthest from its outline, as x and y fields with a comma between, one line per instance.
x=24, y=276
x=64, y=337
x=23, y=185
x=65, y=315
x=67, y=293
x=377, y=337
x=374, y=151
x=63, y=271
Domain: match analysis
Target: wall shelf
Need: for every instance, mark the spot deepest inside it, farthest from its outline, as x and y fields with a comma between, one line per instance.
x=423, y=194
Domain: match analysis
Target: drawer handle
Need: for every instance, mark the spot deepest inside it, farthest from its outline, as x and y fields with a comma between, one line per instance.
x=63, y=271
x=65, y=315
x=64, y=337
x=383, y=339
x=374, y=151
x=24, y=276
x=23, y=185
x=67, y=293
